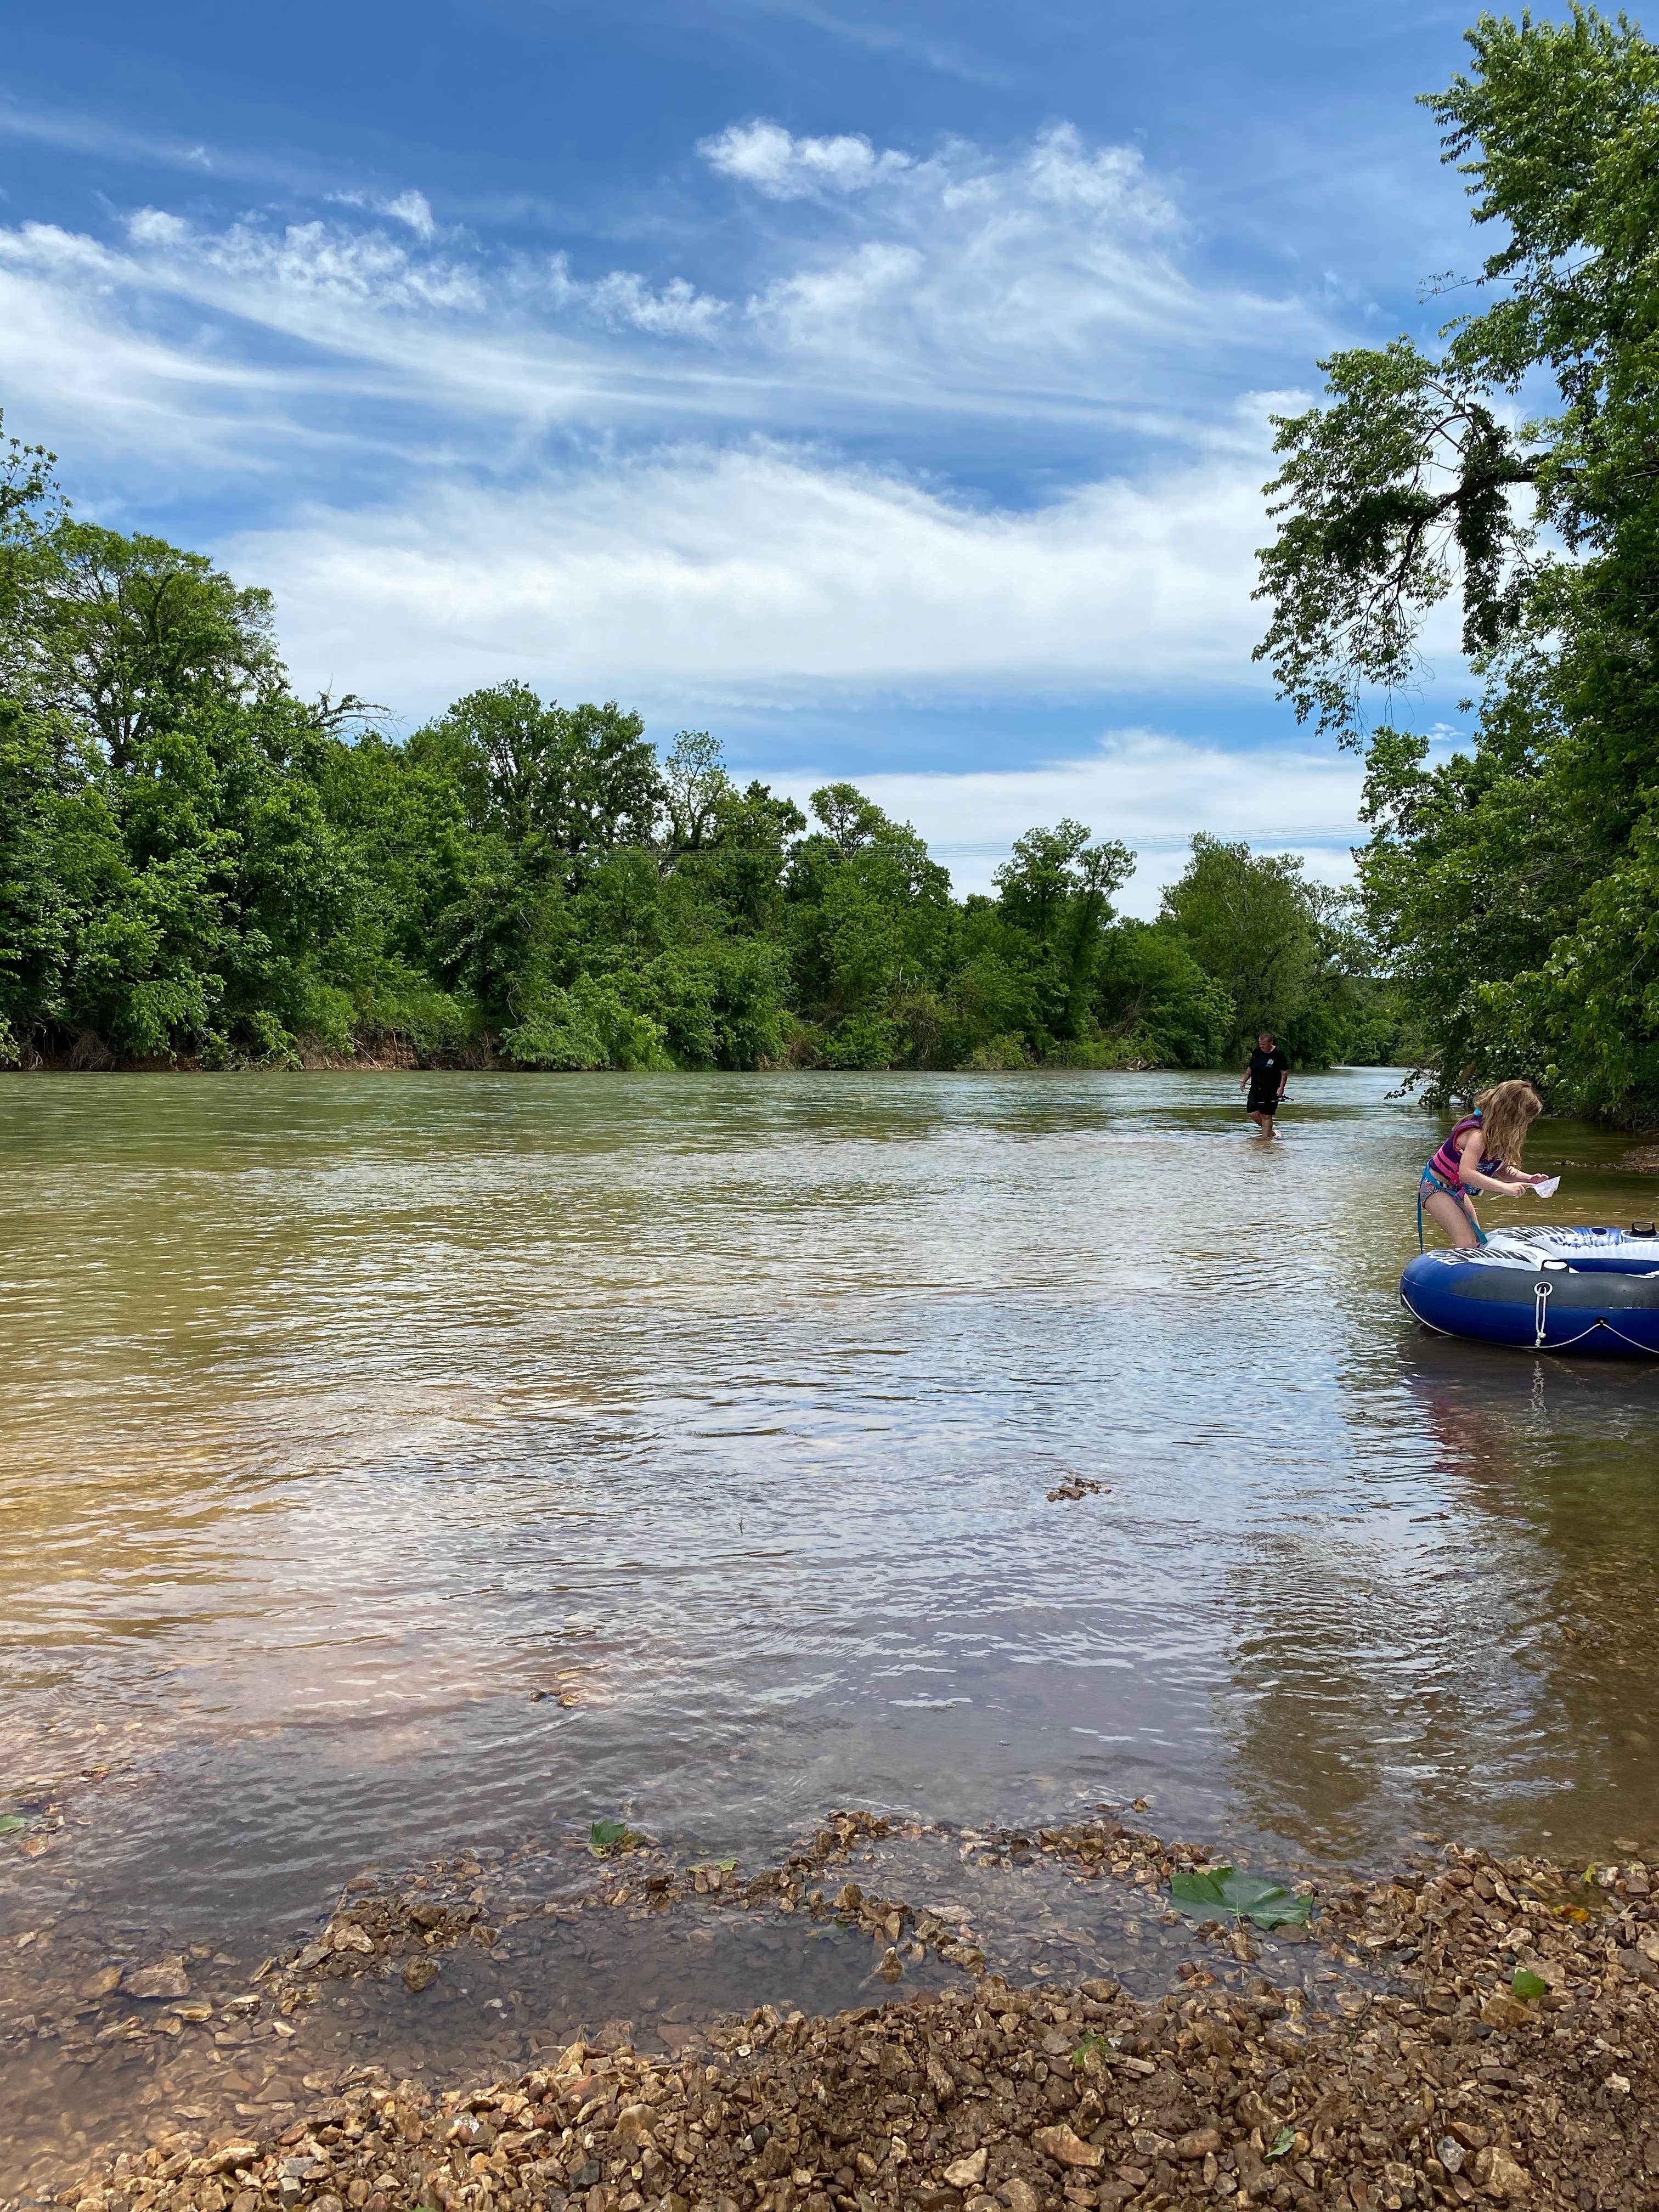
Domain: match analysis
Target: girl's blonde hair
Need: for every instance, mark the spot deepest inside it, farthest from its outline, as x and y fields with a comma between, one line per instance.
x=1507, y=1112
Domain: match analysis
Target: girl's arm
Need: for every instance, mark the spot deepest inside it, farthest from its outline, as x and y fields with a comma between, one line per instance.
x=1469, y=1170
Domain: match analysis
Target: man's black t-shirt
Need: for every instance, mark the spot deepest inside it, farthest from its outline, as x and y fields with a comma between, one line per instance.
x=1267, y=1069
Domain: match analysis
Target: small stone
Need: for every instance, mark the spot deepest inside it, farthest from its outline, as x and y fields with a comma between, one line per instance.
x=1203, y=2143
x=245, y=2200
x=1018, y=2195
x=1504, y=2012
x=1064, y=2145
x=103, y=1983
x=420, y=1973
x=1495, y=2174
x=1451, y=2154
x=231, y=2155
x=967, y=2173
x=168, y=1978
x=346, y=1936
x=634, y=2125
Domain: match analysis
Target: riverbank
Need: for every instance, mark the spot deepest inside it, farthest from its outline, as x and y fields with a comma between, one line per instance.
x=1470, y=2031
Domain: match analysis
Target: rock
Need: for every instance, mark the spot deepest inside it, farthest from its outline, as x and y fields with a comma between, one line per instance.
x=346, y=1936
x=1451, y=2154
x=634, y=2125
x=1504, y=2012
x=168, y=1978
x=1018, y=2195
x=230, y=2155
x=420, y=1973
x=967, y=2173
x=103, y=1983
x=1203, y=2143
x=1495, y=2174
x=1068, y=2149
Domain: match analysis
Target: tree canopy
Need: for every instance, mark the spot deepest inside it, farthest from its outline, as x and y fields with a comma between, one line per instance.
x=198, y=866
x=1513, y=474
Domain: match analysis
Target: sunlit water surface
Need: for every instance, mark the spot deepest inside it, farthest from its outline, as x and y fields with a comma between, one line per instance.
x=342, y=1414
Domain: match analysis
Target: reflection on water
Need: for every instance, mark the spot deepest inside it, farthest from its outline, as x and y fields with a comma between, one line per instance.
x=342, y=1415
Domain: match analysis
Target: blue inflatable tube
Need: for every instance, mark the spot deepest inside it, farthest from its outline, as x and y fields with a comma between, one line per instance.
x=1546, y=1289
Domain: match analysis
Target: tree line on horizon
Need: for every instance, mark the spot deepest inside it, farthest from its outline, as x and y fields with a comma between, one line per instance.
x=197, y=866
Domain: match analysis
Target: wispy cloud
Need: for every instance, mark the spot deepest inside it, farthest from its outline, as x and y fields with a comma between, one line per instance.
x=1048, y=283
x=785, y=167
x=764, y=571
x=473, y=458
x=1151, y=789
x=883, y=35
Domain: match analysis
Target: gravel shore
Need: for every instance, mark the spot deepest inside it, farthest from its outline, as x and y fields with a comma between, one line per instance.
x=1482, y=2032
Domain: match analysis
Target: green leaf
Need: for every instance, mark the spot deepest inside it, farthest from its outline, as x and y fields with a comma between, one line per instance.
x=1223, y=1890
x=11, y=1824
x=1281, y=2142
x=607, y=1838
x=1528, y=1986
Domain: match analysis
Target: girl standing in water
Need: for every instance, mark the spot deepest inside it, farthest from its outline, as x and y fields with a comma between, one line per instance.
x=1483, y=1153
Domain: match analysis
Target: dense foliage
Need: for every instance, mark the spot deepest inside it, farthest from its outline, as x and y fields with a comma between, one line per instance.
x=198, y=866
x=1514, y=889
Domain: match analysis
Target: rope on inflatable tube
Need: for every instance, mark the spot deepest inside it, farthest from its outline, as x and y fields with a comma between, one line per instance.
x=1539, y=1343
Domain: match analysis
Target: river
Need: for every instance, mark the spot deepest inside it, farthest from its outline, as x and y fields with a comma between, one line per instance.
x=398, y=1464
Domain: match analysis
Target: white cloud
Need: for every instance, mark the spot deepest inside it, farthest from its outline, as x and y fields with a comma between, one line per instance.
x=691, y=574
x=1046, y=284
x=785, y=167
x=678, y=309
x=411, y=208
x=626, y=482
x=1151, y=790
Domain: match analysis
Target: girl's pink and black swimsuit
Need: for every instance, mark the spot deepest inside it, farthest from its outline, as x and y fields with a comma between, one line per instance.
x=1446, y=1167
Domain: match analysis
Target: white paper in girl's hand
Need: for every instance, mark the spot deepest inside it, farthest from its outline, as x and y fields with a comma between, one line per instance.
x=1547, y=1188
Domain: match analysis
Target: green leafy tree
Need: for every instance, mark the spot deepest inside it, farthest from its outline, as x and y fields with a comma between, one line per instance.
x=1512, y=891
x=129, y=636
x=1056, y=890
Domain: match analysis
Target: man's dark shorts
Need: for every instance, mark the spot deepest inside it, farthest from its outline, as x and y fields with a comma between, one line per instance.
x=1262, y=1102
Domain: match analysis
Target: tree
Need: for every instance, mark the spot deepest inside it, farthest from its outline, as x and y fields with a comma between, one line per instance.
x=131, y=636
x=1057, y=889
x=1513, y=889
x=556, y=781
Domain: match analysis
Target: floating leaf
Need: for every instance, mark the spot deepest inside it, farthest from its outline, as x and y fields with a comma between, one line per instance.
x=608, y=1839
x=11, y=1825
x=1528, y=1986
x=1223, y=1891
x=1282, y=2143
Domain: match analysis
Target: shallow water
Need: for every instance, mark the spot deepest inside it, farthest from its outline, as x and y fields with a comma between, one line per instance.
x=343, y=1413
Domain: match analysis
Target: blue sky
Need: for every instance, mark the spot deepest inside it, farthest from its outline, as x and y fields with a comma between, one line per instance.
x=884, y=388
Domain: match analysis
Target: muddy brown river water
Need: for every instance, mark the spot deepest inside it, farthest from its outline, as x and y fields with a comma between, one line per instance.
x=395, y=1464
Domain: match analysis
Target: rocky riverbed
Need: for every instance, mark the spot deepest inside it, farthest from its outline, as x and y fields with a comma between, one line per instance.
x=1473, y=2030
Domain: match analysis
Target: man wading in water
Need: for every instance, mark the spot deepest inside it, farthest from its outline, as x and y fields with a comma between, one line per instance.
x=1266, y=1075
